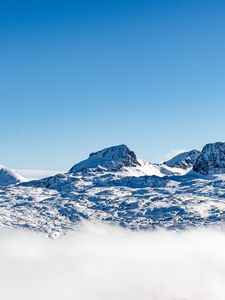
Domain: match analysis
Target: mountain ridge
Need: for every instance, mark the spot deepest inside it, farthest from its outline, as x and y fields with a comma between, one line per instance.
x=114, y=186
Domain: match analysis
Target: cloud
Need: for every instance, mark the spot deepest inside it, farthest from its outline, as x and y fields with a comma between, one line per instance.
x=101, y=262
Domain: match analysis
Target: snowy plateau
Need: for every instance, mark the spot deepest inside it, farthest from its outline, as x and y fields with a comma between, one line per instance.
x=114, y=186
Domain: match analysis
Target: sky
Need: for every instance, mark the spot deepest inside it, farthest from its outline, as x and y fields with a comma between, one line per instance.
x=78, y=76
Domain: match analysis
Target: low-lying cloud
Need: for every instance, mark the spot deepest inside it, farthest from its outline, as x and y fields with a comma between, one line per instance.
x=104, y=262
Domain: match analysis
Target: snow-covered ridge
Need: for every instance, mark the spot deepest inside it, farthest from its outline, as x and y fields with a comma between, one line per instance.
x=114, y=186
x=122, y=159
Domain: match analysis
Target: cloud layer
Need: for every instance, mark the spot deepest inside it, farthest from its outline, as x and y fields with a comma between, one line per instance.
x=103, y=262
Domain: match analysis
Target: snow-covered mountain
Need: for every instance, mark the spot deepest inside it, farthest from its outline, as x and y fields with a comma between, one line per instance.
x=121, y=159
x=185, y=160
x=111, y=159
x=211, y=160
x=114, y=186
x=8, y=177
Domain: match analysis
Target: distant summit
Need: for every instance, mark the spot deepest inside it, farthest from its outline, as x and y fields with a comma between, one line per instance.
x=8, y=177
x=211, y=160
x=183, y=160
x=111, y=158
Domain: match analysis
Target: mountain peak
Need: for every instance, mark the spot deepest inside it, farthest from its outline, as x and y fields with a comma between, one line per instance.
x=184, y=160
x=111, y=158
x=211, y=160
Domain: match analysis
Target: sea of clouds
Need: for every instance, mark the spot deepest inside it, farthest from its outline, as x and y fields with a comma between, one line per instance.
x=105, y=262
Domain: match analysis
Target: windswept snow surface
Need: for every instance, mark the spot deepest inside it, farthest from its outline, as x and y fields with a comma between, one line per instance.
x=113, y=186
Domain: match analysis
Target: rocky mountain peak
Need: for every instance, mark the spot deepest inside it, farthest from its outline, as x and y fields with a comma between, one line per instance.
x=183, y=160
x=111, y=158
x=211, y=160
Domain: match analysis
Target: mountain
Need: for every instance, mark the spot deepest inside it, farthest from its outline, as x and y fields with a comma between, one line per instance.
x=114, y=186
x=8, y=177
x=211, y=159
x=121, y=159
x=112, y=158
x=185, y=160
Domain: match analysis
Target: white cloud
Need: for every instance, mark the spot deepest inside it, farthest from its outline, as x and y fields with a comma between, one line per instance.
x=103, y=262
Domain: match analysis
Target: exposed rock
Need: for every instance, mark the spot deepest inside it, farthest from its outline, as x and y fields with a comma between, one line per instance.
x=211, y=160
x=183, y=160
x=110, y=158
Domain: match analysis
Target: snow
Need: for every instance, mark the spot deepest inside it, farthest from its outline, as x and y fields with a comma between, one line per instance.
x=8, y=176
x=183, y=160
x=114, y=186
x=121, y=158
x=110, y=158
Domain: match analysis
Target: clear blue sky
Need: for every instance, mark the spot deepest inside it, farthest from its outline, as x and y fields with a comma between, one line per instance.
x=77, y=76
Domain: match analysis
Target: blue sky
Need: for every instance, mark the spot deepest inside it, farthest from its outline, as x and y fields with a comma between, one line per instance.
x=78, y=76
